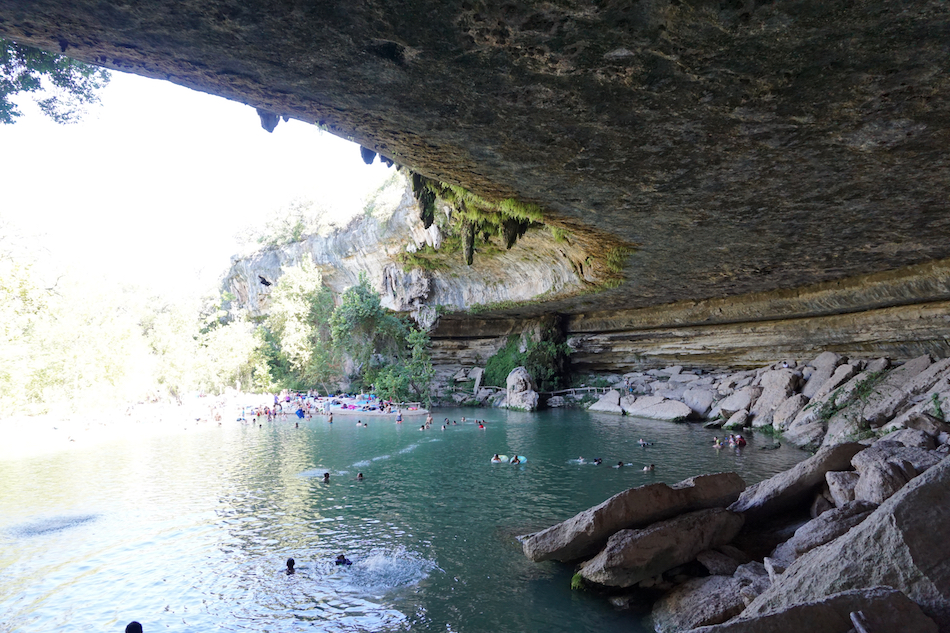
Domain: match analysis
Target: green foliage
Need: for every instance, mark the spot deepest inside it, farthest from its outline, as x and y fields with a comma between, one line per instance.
x=362, y=328
x=938, y=410
x=546, y=360
x=300, y=346
x=69, y=86
x=502, y=362
x=577, y=582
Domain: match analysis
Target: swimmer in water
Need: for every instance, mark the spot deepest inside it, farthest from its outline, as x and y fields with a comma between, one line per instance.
x=326, y=478
x=342, y=560
x=619, y=464
x=290, y=566
x=481, y=426
x=716, y=442
x=496, y=458
x=515, y=460
x=580, y=460
x=443, y=427
x=598, y=461
x=359, y=477
x=649, y=468
x=133, y=627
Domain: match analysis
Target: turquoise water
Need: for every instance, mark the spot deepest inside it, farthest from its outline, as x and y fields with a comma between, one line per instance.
x=190, y=532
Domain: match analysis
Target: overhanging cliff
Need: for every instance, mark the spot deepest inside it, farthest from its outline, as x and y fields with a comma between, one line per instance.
x=737, y=147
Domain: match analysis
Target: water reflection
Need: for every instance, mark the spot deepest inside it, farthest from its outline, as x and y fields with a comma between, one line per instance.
x=191, y=532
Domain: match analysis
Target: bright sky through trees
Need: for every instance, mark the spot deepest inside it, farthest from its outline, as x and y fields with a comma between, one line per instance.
x=152, y=186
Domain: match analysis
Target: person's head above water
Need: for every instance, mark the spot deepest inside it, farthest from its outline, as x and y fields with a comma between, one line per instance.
x=359, y=476
x=133, y=627
x=290, y=565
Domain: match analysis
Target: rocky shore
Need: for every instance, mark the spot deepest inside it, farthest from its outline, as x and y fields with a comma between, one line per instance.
x=811, y=404
x=851, y=539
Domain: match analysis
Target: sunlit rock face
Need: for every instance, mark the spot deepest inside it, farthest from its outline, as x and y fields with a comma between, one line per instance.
x=371, y=243
x=742, y=146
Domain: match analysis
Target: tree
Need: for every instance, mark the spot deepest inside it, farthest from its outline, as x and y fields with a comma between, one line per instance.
x=366, y=331
x=300, y=345
x=71, y=86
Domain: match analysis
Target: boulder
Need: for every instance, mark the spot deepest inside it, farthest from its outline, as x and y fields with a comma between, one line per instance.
x=608, y=403
x=878, y=609
x=484, y=395
x=742, y=399
x=522, y=392
x=912, y=438
x=795, y=486
x=777, y=386
x=806, y=436
x=823, y=529
x=717, y=563
x=842, y=374
x=585, y=533
x=684, y=378
x=891, y=393
x=825, y=366
x=476, y=374
x=697, y=602
x=656, y=408
x=886, y=467
x=927, y=423
x=699, y=400
x=785, y=413
x=555, y=402
x=634, y=555
x=753, y=580
x=736, y=421
x=841, y=486
x=902, y=544
x=773, y=567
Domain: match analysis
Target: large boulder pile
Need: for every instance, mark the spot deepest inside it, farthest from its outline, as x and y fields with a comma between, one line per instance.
x=825, y=401
x=851, y=539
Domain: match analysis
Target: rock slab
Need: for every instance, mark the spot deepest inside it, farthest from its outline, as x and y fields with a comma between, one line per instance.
x=881, y=609
x=903, y=544
x=634, y=555
x=584, y=534
x=796, y=485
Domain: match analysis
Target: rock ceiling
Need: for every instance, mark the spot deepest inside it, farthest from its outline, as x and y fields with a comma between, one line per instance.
x=737, y=146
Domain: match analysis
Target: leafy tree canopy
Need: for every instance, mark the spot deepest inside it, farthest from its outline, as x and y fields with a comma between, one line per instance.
x=66, y=86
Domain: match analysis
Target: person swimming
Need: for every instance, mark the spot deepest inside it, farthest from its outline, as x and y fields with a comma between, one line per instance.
x=514, y=460
x=133, y=627
x=620, y=464
x=716, y=442
x=342, y=560
x=649, y=468
x=326, y=478
x=496, y=458
x=598, y=461
x=481, y=426
x=290, y=566
x=359, y=477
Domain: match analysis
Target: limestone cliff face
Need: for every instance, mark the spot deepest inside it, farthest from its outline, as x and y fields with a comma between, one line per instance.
x=537, y=266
